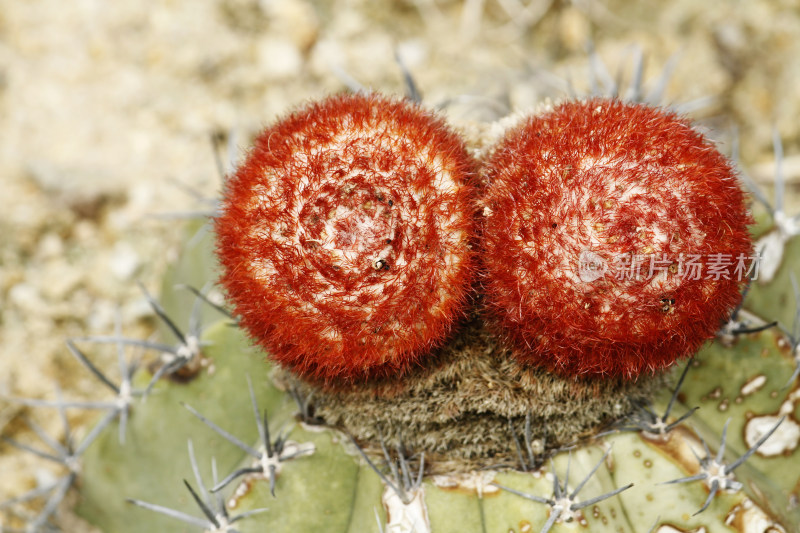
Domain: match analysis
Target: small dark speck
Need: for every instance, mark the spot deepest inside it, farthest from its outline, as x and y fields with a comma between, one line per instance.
x=388, y=241
x=554, y=225
x=391, y=203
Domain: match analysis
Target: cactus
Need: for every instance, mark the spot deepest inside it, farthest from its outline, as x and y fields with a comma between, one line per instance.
x=222, y=440
x=348, y=490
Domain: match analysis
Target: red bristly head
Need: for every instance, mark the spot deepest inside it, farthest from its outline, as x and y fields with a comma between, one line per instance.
x=615, y=239
x=345, y=238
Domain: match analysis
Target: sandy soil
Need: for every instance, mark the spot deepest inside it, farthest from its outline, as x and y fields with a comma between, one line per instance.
x=107, y=110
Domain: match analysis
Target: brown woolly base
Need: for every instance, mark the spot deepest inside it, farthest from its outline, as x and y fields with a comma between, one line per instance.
x=470, y=406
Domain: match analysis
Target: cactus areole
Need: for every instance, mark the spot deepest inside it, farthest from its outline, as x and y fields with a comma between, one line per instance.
x=417, y=295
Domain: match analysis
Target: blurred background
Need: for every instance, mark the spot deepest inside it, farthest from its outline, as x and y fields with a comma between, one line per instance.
x=108, y=109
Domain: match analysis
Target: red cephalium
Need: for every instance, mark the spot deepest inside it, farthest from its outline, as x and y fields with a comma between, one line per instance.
x=345, y=237
x=615, y=239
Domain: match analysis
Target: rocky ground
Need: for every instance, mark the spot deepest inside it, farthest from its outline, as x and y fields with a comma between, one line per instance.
x=107, y=110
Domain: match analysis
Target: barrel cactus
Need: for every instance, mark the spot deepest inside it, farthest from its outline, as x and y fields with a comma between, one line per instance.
x=450, y=347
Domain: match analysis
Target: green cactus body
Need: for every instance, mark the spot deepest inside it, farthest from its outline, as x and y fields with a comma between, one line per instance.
x=331, y=487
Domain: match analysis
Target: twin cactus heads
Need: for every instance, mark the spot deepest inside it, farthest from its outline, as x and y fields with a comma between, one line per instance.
x=479, y=308
x=360, y=235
